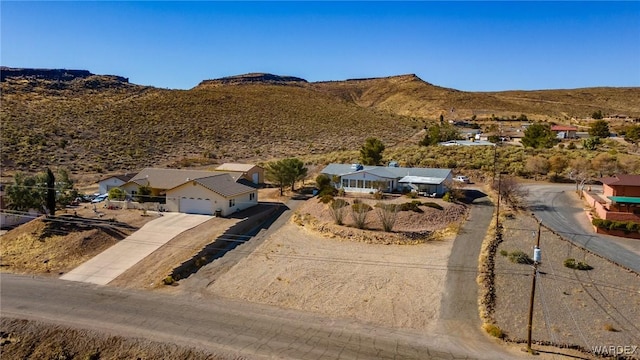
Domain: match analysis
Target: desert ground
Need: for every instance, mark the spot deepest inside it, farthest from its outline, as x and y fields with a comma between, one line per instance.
x=310, y=264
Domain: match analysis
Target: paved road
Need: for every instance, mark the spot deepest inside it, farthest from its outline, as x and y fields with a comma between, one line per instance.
x=558, y=209
x=223, y=326
x=112, y=262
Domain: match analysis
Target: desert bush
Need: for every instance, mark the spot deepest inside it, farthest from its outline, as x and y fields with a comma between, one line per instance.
x=447, y=197
x=387, y=215
x=326, y=198
x=576, y=265
x=520, y=257
x=168, y=280
x=359, y=213
x=504, y=253
x=337, y=209
x=433, y=205
x=410, y=206
x=494, y=331
x=411, y=195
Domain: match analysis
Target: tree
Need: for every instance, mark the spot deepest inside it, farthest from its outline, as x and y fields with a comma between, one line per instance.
x=632, y=134
x=65, y=191
x=537, y=165
x=511, y=191
x=597, y=115
x=539, y=135
x=604, y=164
x=557, y=164
x=440, y=133
x=371, y=151
x=51, y=192
x=117, y=194
x=591, y=143
x=599, y=128
x=579, y=171
x=285, y=172
x=144, y=194
x=25, y=193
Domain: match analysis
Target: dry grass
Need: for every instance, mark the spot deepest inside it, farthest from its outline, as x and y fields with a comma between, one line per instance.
x=100, y=125
x=55, y=247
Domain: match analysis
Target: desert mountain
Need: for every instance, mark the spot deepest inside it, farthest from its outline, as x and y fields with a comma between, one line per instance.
x=103, y=123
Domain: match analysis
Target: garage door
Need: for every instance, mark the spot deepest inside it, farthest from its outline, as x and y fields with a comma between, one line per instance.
x=196, y=206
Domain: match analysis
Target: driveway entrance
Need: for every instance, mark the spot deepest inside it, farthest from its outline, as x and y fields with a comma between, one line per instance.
x=112, y=262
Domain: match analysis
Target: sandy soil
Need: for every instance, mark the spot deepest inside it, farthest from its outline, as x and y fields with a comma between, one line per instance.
x=299, y=268
x=578, y=308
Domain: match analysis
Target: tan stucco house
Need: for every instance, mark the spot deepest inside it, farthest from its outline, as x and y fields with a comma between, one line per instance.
x=214, y=195
x=253, y=173
x=195, y=191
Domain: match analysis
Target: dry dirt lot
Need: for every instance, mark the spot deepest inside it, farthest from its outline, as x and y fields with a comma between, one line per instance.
x=573, y=307
x=344, y=276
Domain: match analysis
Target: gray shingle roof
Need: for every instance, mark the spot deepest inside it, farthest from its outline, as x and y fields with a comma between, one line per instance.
x=224, y=185
x=388, y=172
x=170, y=178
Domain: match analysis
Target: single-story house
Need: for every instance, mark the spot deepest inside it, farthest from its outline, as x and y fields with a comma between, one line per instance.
x=253, y=173
x=217, y=194
x=564, y=131
x=620, y=200
x=208, y=194
x=466, y=143
x=359, y=178
x=106, y=184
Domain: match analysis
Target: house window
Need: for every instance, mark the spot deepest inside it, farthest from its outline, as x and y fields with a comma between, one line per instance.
x=352, y=183
x=345, y=183
x=252, y=196
x=232, y=202
x=360, y=184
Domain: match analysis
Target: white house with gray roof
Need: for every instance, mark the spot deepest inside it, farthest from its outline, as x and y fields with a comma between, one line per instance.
x=359, y=178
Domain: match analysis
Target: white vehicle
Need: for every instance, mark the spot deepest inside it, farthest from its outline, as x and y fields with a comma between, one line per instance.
x=100, y=198
x=462, y=179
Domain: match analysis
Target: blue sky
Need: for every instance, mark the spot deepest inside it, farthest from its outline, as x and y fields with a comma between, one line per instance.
x=473, y=46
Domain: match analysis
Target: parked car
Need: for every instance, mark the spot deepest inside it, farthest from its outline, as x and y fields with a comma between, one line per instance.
x=462, y=179
x=99, y=198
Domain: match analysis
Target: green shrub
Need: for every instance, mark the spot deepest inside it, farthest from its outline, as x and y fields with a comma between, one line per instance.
x=339, y=203
x=326, y=198
x=168, y=280
x=410, y=206
x=504, y=252
x=411, y=194
x=494, y=331
x=447, y=197
x=577, y=265
x=520, y=257
x=433, y=205
x=361, y=207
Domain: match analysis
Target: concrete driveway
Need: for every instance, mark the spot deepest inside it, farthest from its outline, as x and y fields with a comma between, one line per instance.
x=112, y=262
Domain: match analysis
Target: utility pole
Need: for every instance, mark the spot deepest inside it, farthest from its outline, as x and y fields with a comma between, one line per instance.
x=536, y=261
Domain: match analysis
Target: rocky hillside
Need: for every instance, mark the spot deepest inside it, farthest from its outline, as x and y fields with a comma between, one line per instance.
x=103, y=123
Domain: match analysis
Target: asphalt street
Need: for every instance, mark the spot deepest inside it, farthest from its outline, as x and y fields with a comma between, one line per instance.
x=559, y=210
x=223, y=326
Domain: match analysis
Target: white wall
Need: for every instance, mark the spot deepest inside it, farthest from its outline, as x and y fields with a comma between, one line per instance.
x=218, y=202
x=105, y=185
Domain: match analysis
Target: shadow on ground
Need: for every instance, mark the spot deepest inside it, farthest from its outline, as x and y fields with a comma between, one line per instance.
x=253, y=221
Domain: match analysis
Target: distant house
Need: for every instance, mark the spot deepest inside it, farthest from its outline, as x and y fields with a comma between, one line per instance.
x=565, y=132
x=195, y=191
x=357, y=178
x=114, y=181
x=620, y=200
x=253, y=173
x=466, y=143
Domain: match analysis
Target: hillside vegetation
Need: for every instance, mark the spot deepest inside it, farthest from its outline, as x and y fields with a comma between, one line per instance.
x=105, y=124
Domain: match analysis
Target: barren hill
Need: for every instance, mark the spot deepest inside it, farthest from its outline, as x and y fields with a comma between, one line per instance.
x=94, y=123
